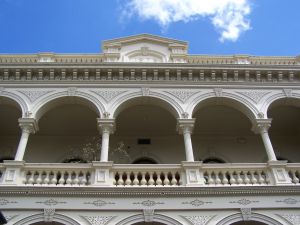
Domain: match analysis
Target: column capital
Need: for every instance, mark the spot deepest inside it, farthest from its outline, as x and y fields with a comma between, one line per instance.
x=28, y=125
x=107, y=125
x=185, y=125
x=261, y=125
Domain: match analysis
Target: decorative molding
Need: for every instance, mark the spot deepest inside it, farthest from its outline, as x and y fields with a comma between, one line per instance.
x=255, y=96
x=182, y=95
x=287, y=92
x=294, y=219
x=34, y=94
x=9, y=217
x=50, y=202
x=98, y=220
x=1, y=90
x=148, y=203
x=196, y=202
x=198, y=220
x=72, y=91
x=6, y=202
x=145, y=91
x=246, y=213
x=99, y=203
x=243, y=201
x=218, y=92
x=49, y=214
x=108, y=94
x=289, y=201
x=148, y=215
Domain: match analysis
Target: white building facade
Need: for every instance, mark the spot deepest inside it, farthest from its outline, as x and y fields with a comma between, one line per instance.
x=145, y=133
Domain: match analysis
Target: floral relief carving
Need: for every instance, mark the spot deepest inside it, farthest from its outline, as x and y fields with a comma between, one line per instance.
x=289, y=201
x=182, y=95
x=244, y=201
x=98, y=220
x=6, y=202
x=287, y=92
x=255, y=96
x=100, y=203
x=292, y=218
x=49, y=214
x=218, y=92
x=246, y=213
x=51, y=202
x=198, y=220
x=33, y=95
x=108, y=94
x=148, y=203
x=145, y=91
x=196, y=202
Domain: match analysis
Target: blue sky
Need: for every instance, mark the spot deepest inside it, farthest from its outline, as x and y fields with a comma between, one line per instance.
x=254, y=27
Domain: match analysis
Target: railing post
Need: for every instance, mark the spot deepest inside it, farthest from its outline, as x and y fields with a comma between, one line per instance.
x=13, y=173
x=279, y=174
x=102, y=174
x=193, y=173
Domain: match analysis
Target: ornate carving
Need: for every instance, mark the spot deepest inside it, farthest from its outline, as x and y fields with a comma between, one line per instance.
x=292, y=218
x=196, y=202
x=148, y=215
x=98, y=220
x=289, y=201
x=185, y=115
x=246, y=213
x=72, y=91
x=255, y=96
x=108, y=94
x=198, y=220
x=145, y=91
x=33, y=95
x=6, y=202
x=100, y=203
x=287, y=92
x=51, y=202
x=244, y=201
x=148, y=203
x=218, y=92
x=106, y=115
x=182, y=95
x=49, y=214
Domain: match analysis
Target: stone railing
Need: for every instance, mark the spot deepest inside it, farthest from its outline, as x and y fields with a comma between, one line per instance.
x=107, y=174
x=293, y=170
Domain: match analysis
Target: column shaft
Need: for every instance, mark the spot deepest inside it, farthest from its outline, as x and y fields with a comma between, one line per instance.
x=22, y=145
x=188, y=146
x=105, y=145
x=268, y=145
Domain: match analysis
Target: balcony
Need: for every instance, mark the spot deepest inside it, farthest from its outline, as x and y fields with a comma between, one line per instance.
x=186, y=174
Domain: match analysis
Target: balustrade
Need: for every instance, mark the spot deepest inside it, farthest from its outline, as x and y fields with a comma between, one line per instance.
x=293, y=170
x=133, y=175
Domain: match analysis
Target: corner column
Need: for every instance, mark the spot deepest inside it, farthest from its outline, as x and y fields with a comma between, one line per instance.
x=28, y=126
x=106, y=127
x=261, y=127
x=185, y=127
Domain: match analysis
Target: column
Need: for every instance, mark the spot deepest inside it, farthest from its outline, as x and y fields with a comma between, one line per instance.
x=106, y=127
x=262, y=126
x=28, y=126
x=185, y=127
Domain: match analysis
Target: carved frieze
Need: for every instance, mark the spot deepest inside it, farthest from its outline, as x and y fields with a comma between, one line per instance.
x=49, y=214
x=33, y=95
x=100, y=203
x=148, y=203
x=255, y=96
x=198, y=220
x=98, y=220
x=289, y=201
x=108, y=94
x=51, y=202
x=243, y=201
x=6, y=202
x=246, y=213
x=196, y=202
x=182, y=95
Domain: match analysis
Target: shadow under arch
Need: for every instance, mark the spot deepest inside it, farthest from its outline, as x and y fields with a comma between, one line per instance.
x=156, y=218
x=225, y=101
x=64, y=100
x=13, y=100
x=145, y=100
x=40, y=218
x=254, y=217
x=284, y=101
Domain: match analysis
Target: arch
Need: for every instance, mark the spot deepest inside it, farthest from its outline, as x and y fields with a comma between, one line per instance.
x=60, y=99
x=156, y=218
x=40, y=218
x=233, y=101
x=154, y=99
x=17, y=101
x=254, y=217
x=286, y=101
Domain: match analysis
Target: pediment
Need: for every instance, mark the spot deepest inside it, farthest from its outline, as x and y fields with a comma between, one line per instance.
x=143, y=48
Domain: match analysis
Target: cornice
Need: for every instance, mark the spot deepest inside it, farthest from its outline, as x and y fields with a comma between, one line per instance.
x=149, y=191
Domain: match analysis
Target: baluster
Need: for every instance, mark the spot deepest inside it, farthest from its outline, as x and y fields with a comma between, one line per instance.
x=143, y=180
x=84, y=178
x=253, y=178
x=261, y=180
x=218, y=180
x=46, y=179
x=135, y=180
x=75, y=180
x=128, y=180
x=53, y=180
x=232, y=178
x=121, y=181
x=225, y=179
x=61, y=179
x=151, y=180
x=246, y=178
x=166, y=179
x=31, y=178
x=69, y=178
x=173, y=181
x=210, y=178
x=158, y=180
x=39, y=180
x=239, y=178
x=295, y=179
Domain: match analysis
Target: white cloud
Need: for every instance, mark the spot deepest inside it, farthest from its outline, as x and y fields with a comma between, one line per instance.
x=229, y=17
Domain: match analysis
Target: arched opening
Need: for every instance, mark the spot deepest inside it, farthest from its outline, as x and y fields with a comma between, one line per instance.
x=148, y=223
x=67, y=133
x=148, y=130
x=248, y=223
x=285, y=128
x=47, y=223
x=10, y=131
x=223, y=131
